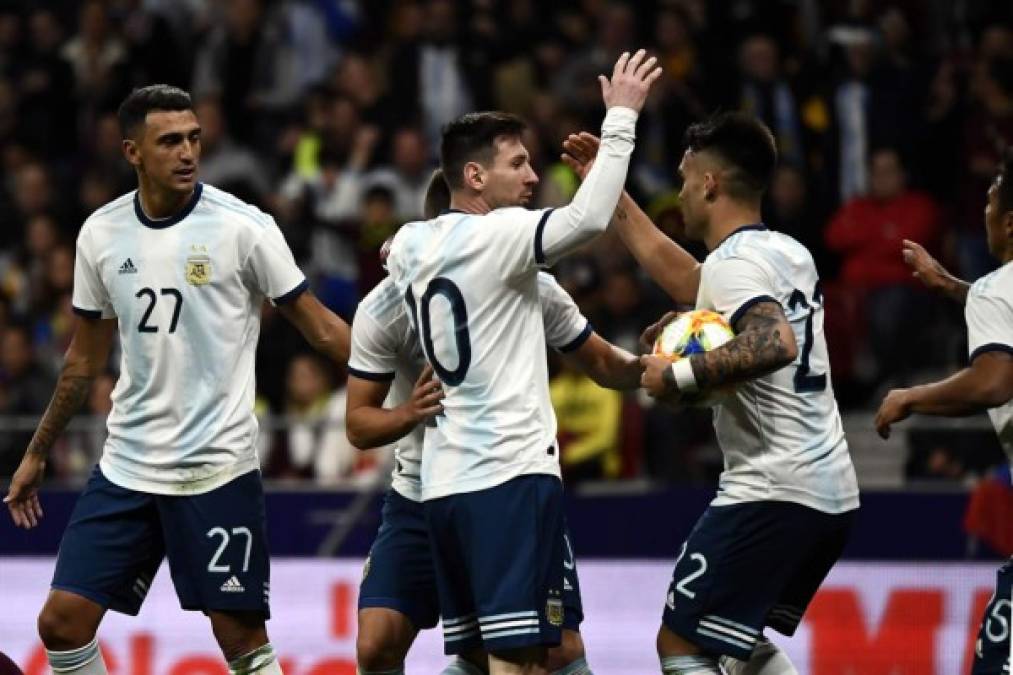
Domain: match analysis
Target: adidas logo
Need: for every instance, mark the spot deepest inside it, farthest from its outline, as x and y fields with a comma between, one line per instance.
x=232, y=585
x=128, y=267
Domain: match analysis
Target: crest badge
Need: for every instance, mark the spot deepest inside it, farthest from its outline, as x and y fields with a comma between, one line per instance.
x=554, y=611
x=198, y=270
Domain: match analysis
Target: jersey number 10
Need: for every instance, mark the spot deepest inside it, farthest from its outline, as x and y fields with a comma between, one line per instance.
x=423, y=324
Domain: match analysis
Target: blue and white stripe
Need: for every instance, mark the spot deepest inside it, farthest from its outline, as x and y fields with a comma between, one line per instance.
x=510, y=624
x=460, y=628
x=726, y=630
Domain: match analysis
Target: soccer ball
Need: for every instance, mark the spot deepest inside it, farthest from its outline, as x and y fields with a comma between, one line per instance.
x=695, y=332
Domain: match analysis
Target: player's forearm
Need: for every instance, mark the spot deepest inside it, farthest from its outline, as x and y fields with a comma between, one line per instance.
x=748, y=355
x=71, y=393
x=616, y=369
x=967, y=392
x=667, y=263
x=956, y=289
x=587, y=216
x=370, y=427
x=334, y=339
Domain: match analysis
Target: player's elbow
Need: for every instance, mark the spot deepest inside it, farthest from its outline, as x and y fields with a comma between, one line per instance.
x=356, y=434
x=996, y=392
x=789, y=348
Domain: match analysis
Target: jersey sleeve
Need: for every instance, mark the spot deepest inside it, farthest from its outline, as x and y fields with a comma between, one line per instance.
x=515, y=234
x=90, y=298
x=273, y=269
x=989, y=323
x=736, y=284
x=566, y=329
x=374, y=349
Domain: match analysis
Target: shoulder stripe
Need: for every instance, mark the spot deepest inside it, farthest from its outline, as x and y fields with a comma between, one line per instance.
x=539, y=253
x=990, y=347
x=367, y=375
x=87, y=313
x=293, y=294
x=744, y=307
x=577, y=342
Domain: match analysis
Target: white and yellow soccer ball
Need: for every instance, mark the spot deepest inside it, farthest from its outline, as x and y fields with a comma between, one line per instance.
x=694, y=332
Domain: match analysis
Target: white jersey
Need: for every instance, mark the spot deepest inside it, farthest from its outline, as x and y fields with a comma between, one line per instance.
x=989, y=314
x=781, y=434
x=385, y=348
x=187, y=292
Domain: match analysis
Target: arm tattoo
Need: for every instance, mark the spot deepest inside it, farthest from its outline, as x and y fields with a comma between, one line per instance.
x=757, y=349
x=71, y=392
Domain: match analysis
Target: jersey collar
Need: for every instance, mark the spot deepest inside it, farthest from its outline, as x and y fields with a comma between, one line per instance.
x=744, y=228
x=171, y=220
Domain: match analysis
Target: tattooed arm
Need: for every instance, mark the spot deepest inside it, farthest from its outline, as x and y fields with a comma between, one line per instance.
x=764, y=342
x=86, y=358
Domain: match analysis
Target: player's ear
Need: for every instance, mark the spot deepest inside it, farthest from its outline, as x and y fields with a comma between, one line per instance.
x=710, y=186
x=131, y=151
x=474, y=176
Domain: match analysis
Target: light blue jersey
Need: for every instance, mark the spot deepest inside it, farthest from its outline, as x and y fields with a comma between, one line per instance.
x=385, y=348
x=781, y=434
x=989, y=315
x=187, y=292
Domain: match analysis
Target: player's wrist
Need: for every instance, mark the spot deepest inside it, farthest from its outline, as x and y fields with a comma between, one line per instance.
x=683, y=376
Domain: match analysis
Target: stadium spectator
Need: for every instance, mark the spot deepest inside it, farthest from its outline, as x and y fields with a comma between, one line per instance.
x=224, y=163
x=764, y=92
x=588, y=422
x=25, y=388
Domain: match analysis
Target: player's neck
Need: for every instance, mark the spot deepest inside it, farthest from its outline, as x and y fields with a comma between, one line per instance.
x=469, y=203
x=159, y=204
x=727, y=217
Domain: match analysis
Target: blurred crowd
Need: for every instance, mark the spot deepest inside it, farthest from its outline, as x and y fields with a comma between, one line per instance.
x=890, y=118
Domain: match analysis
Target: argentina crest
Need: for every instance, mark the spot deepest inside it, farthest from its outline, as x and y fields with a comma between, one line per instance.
x=198, y=270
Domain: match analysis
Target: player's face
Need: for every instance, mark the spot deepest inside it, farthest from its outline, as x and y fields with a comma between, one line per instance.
x=167, y=149
x=693, y=196
x=998, y=224
x=510, y=180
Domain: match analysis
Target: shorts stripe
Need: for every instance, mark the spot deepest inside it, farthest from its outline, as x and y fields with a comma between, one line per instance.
x=733, y=624
x=512, y=615
x=509, y=633
x=745, y=637
x=450, y=630
x=787, y=610
x=467, y=618
x=724, y=638
x=460, y=636
x=516, y=623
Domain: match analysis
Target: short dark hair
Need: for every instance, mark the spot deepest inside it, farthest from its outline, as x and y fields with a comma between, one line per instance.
x=472, y=138
x=1005, y=196
x=140, y=102
x=742, y=142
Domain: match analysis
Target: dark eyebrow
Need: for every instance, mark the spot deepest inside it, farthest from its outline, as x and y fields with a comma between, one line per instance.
x=176, y=135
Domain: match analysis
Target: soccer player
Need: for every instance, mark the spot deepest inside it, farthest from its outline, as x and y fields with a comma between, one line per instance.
x=398, y=595
x=181, y=270
x=985, y=384
x=788, y=493
x=491, y=487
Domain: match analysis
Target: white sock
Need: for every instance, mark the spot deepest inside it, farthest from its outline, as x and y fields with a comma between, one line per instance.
x=767, y=659
x=261, y=661
x=689, y=665
x=85, y=660
x=461, y=666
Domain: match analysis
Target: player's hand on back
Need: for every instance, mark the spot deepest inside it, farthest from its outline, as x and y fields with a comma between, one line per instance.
x=631, y=79
x=579, y=151
x=426, y=396
x=22, y=499
x=925, y=268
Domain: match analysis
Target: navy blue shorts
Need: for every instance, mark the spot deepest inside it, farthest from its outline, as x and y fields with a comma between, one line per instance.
x=746, y=566
x=992, y=649
x=215, y=542
x=399, y=572
x=499, y=556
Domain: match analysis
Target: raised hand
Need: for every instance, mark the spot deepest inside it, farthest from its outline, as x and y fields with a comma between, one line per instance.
x=22, y=499
x=650, y=333
x=579, y=151
x=632, y=78
x=925, y=268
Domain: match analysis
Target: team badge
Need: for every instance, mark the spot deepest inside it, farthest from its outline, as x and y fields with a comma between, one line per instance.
x=554, y=611
x=198, y=270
